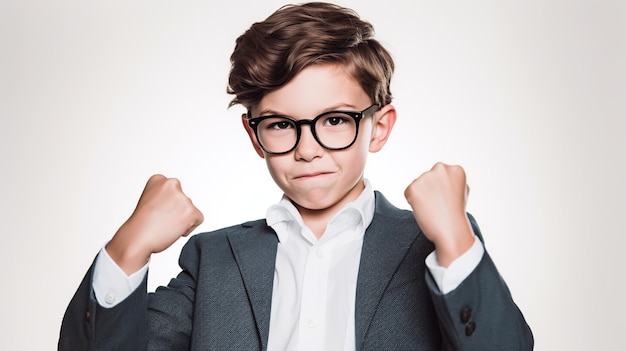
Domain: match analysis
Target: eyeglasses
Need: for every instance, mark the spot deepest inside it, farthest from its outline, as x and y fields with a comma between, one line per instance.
x=334, y=130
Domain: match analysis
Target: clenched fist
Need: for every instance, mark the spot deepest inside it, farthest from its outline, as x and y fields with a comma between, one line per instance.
x=438, y=199
x=163, y=215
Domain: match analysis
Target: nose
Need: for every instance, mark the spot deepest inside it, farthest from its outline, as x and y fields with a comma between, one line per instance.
x=308, y=148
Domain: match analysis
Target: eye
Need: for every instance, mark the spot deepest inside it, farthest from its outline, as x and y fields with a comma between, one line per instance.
x=277, y=124
x=336, y=120
x=280, y=125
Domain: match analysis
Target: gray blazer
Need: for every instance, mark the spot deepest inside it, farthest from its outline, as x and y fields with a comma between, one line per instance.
x=221, y=300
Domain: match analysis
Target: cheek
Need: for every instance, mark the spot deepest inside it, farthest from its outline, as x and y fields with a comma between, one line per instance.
x=271, y=165
x=277, y=166
x=362, y=144
x=365, y=135
x=353, y=159
x=358, y=158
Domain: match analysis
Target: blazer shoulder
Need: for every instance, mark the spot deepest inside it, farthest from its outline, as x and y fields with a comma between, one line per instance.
x=386, y=208
x=258, y=226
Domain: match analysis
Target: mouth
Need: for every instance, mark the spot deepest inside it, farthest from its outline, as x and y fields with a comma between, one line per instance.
x=311, y=175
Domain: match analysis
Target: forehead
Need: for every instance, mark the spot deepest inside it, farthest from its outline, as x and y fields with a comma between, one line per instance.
x=314, y=90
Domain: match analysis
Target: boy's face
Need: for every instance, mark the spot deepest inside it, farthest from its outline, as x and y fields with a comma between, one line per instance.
x=311, y=176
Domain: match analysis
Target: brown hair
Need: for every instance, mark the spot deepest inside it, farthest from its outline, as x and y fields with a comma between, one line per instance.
x=270, y=53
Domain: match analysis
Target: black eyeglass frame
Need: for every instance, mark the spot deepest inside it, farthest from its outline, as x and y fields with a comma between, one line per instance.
x=253, y=122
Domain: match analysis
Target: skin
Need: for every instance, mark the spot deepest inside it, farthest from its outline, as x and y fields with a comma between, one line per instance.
x=163, y=215
x=318, y=181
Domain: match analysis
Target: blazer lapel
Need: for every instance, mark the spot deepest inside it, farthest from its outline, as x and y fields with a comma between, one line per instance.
x=255, y=253
x=385, y=244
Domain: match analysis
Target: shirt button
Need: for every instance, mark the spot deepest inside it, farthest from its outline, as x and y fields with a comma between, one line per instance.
x=110, y=298
x=312, y=323
x=319, y=253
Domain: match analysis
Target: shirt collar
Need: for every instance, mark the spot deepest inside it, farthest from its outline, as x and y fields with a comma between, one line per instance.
x=283, y=214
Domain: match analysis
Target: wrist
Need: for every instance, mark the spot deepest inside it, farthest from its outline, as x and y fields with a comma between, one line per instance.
x=450, y=247
x=127, y=254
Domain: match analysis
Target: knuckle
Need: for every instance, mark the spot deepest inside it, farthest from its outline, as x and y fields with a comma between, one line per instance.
x=458, y=170
x=200, y=218
x=156, y=178
x=412, y=188
x=172, y=183
x=438, y=168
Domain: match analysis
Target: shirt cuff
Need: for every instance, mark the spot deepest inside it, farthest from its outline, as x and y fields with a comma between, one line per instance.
x=448, y=279
x=110, y=284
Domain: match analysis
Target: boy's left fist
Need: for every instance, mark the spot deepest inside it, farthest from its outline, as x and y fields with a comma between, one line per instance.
x=438, y=199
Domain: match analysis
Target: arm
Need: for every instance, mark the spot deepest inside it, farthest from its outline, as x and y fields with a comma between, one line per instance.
x=438, y=198
x=163, y=214
x=479, y=313
x=110, y=283
x=449, y=278
x=89, y=326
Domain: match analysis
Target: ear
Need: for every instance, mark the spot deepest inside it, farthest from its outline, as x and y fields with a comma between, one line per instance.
x=383, y=123
x=255, y=143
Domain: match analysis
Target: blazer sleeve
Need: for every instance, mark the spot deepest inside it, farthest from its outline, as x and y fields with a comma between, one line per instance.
x=480, y=313
x=88, y=326
x=155, y=321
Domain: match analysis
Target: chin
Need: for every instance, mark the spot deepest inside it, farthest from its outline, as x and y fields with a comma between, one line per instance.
x=314, y=203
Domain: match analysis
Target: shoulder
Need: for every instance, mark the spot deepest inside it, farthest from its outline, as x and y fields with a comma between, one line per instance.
x=250, y=228
x=387, y=210
x=391, y=220
x=220, y=242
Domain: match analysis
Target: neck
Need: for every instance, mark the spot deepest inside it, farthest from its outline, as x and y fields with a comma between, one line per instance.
x=315, y=221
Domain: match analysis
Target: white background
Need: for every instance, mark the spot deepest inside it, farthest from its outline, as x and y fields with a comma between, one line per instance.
x=529, y=96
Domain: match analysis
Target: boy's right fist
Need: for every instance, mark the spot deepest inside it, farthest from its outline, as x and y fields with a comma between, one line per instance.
x=163, y=215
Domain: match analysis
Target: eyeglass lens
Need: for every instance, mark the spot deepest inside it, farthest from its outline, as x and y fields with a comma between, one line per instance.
x=334, y=131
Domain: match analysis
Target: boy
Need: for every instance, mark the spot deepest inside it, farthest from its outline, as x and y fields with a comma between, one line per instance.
x=334, y=266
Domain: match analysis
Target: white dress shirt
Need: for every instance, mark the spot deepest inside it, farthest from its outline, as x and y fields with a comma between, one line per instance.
x=313, y=298
x=315, y=279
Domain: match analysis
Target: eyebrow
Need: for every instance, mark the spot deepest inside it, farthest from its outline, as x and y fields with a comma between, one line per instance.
x=340, y=106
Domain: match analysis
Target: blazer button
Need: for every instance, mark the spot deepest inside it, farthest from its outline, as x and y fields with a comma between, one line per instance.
x=470, y=328
x=466, y=314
